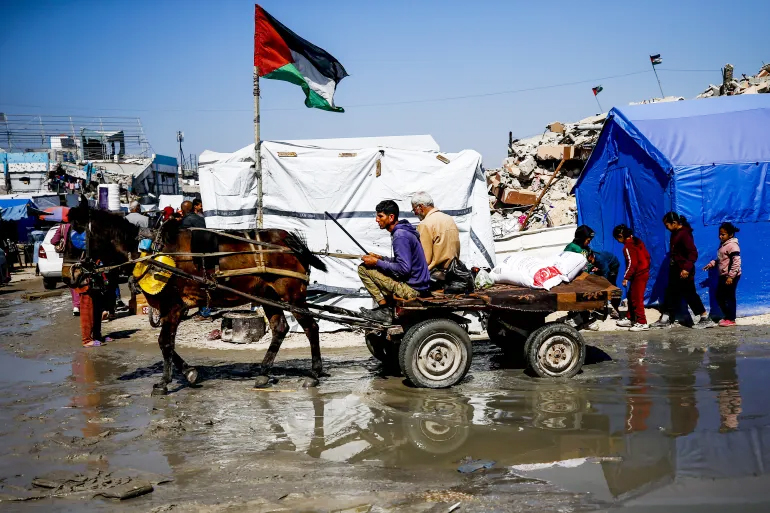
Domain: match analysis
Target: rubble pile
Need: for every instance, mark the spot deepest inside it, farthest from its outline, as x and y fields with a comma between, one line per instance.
x=756, y=84
x=516, y=187
x=531, y=162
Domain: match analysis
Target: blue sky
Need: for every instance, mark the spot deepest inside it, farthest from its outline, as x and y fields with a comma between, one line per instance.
x=187, y=65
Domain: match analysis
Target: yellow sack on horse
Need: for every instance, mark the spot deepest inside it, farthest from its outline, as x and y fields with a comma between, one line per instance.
x=150, y=278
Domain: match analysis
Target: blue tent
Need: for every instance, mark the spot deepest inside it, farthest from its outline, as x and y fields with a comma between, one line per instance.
x=708, y=160
x=14, y=209
x=17, y=209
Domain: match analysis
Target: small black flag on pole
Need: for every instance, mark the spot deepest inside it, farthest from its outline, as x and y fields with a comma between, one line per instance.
x=655, y=59
x=596, y=90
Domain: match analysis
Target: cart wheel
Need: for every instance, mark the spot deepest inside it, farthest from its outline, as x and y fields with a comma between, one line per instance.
x=435, y=353
x=154, y=316
x=376, y=345
x=555, y=351
x=49, y=283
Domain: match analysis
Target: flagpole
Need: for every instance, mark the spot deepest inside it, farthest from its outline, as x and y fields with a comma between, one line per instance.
x=658, y=78
x=596, y=97
x=257, y=150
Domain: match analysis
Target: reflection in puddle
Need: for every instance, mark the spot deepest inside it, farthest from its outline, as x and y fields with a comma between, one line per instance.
x=671, y=412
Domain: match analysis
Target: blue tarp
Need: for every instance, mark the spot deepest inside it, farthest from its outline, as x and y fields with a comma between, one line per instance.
x=708, y=160
x=14, y=209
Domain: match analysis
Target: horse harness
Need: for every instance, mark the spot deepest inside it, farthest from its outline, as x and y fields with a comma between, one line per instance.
x=156, y=252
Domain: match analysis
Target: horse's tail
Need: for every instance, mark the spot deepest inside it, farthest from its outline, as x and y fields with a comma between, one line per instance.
x=296, y=242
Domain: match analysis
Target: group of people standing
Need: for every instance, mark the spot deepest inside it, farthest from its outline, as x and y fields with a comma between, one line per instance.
x=681, y=272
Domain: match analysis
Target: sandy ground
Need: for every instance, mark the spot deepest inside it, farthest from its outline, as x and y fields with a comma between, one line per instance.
x=19, y=275
x=194, y=333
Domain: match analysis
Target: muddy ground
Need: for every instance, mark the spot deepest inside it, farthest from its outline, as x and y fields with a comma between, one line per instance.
x=658, y=421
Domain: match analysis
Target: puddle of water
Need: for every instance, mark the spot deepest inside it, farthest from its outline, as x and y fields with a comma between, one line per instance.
x=658, y=416
x=663, y=413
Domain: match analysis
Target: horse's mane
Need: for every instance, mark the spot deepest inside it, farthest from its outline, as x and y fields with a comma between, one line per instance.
x=298, y=244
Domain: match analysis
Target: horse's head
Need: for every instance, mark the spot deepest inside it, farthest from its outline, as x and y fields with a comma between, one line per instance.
x=110, y=237
x=79, y=216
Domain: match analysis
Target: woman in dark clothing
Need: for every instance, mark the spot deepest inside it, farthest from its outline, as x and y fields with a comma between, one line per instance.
x=681, y=274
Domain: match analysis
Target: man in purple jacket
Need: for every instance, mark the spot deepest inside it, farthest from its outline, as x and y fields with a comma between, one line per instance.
x=405, y=275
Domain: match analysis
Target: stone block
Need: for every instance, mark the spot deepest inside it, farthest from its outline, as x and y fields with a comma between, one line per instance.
x=518, y=197
x=554, y=152
x=494, y=179
x=527, y=166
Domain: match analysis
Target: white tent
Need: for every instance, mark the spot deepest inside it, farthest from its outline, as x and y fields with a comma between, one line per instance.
x=347, y=178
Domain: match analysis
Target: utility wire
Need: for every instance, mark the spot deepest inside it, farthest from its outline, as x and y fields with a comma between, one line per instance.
x=388, y=104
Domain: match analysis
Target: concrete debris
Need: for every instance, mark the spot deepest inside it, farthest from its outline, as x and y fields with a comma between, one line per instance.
x=755, y=84
x=659, y=100
x=515, y=187
x=531, y=162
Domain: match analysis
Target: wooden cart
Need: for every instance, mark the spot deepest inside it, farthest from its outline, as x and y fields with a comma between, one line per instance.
x=433, y=349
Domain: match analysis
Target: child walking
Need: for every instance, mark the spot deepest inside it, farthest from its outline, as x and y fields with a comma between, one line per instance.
x=637, y=274
x=729, y=262
x=681, y=274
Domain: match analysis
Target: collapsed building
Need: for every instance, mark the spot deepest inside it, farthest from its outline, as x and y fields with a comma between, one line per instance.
x=755, y=84
x=530, y=191
x=531, y=166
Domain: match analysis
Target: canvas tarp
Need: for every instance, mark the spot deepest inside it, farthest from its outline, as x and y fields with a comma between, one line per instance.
x=708, y=160
x=15, y=209
x=301, y=182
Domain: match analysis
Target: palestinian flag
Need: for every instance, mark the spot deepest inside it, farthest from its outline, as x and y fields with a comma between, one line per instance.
x=655, y=59
x=597, y=90
x=281, y=54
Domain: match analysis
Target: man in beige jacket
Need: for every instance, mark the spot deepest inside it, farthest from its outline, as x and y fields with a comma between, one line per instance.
x=439, y=236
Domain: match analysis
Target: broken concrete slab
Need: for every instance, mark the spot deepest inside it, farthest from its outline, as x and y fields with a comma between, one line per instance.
x=551, y=151
x=518, y=197
x=556, y=127
x=527, y=166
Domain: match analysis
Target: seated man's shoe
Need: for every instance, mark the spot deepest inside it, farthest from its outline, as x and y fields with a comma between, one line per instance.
x=381, y=313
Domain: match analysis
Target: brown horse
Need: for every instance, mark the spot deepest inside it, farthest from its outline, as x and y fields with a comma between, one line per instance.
x=283, y=273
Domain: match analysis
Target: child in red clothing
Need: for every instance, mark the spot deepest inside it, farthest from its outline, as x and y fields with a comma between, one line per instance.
x=637, y=274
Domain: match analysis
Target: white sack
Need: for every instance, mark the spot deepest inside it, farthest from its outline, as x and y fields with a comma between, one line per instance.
x=570, y=264
x=527, y=271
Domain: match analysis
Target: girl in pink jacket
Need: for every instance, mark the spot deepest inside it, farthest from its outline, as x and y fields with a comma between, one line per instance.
x=729, y=262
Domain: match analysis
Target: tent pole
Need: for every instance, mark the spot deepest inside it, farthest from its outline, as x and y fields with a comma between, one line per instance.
x=257, y=152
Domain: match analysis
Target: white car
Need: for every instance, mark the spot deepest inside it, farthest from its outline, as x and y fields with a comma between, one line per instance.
x=49, y=261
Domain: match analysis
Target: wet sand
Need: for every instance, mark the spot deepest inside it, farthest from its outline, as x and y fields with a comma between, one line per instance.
x=660, y=421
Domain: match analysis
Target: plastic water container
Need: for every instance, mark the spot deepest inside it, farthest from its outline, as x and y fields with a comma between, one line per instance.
x=109, y=197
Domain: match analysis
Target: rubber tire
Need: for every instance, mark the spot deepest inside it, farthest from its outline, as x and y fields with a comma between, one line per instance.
x=50, y=283
x=541, y=335
x=376, y=345
x=383, y=350
x=419, y=333
x=154, y=319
